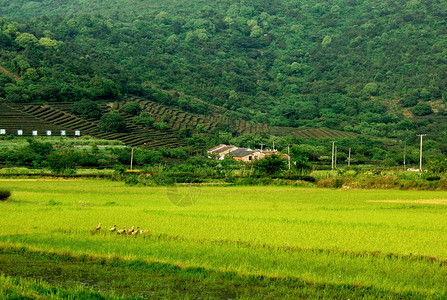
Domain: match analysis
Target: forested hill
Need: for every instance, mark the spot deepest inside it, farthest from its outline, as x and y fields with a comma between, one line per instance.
x=371, y=67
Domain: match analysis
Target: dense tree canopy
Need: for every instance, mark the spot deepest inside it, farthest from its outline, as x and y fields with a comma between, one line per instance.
x=112, y=122
x=357, y=65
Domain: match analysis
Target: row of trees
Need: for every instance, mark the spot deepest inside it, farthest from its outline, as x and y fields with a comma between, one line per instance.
x=180, y=162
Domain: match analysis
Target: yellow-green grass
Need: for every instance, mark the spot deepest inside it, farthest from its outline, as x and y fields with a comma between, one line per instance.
x=27, y=171
x=20, y=288
x=391, y=240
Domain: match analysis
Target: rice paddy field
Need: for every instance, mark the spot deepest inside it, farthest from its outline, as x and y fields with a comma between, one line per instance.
x=224, y=242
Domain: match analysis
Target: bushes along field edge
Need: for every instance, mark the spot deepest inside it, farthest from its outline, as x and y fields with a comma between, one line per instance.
x=4, y=194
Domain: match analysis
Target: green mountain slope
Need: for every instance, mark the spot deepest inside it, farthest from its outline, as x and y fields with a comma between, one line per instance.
x=370, y=67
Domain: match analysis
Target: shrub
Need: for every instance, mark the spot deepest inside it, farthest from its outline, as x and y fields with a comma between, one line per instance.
x=4, y=194
x=433, y=178
x=161, y=125
x=422, y=109
x=132, y=108
x=409, y=102
x=269, y=165
x=87, y=109
x=330, y=183
x=338, y=183
x=112, y=122
x=297, y=177
x=371, y=89
x=144, y=119
x=62, y=162
x=131, y=180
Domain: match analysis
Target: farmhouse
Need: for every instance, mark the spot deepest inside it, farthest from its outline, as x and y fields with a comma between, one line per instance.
x=242, y=154
x=221, y=150
x=245, y=154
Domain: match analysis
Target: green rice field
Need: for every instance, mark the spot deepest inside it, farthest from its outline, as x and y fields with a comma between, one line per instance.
x=221, y=242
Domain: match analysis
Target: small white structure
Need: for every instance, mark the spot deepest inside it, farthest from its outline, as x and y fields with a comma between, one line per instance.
x=63, y=133
x=77, y=132
x=34, y=132
x=20, y=132
x=48, y=132
x=2, y=131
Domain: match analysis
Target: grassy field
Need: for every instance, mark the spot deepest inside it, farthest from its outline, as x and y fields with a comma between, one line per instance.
x=224, y=242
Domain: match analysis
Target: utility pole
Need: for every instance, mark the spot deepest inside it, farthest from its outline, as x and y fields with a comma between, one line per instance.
x=349, y=157
x=261, y=146
x=131, y=159
x=332, y=163
x=420, y=154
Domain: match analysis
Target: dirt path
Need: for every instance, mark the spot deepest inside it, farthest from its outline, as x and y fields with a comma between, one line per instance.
x=15, y=76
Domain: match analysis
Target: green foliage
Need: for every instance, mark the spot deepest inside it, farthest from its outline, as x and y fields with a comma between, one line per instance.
x=4, y=194
x=409, y=101
x=271, y=164
x=61, y=162
x=26, y=40
x=300, y=158
x=86, y=109
x=26, y=288
x=371, y=89
x=132, y=108
x=320, y=72
x=161, y=125
x=40, y=148
x=144, y=119
x=422, y=109
x=112, y=122
x=437, y=165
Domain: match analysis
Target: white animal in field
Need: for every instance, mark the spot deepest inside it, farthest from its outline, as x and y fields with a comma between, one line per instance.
x=113, y=228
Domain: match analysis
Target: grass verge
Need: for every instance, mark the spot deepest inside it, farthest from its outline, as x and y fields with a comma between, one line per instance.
x=28, y=273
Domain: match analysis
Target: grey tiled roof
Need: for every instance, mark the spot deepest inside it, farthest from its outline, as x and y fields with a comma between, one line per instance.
x=241, y=152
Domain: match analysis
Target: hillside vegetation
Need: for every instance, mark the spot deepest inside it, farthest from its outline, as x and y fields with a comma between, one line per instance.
x=370, y=67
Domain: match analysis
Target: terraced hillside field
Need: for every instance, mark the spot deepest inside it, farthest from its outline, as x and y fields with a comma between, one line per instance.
x=311, y=133
x=177, y=119
x=58, y=117
x=12, y=120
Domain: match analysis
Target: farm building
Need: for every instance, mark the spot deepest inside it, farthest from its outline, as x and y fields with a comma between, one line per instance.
x=221, y=150
x=245, y=154
x=242, y=154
